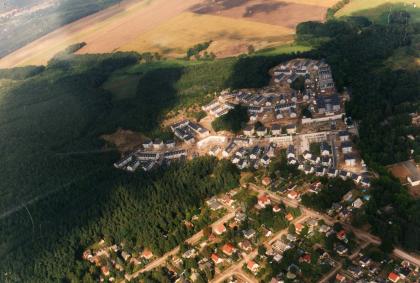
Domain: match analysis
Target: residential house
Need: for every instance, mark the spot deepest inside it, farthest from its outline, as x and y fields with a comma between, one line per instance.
x=289, y=217
x=344, y=136
x=252, y=266
x=239, y=217
x=393, y=277
x=320, y=171
x=147, y=254
x=214, y=204
x=326, y=161
x=291, y=152
x=364, y=261
x=365, y=181
x=343, y=175
x=249, y=130
x=263, y=200
x=307, y=155
x=170, y=144
x=147, y=144
x=133, y=165
x=293, y=195
x=243, y=163
x=355, y=271
x=105, y=270
x=216, y=259
x=325, y=148
x=298, y=228
x=341, y=250
x=346, y=147
x=356, y=178
x=158, y=144
x=305, y=258
x=413, y=180
x=249, y=234
x=229, y=149
x=276, y=208
x=342, y=235
x=265, y=160
x=219, y=229
x=291, y=129
x=266, y=181
x=350, y=160
x=332, y=172
x=308, y=169
x=340, y=278
x=191, y=253
x=357, y=203
x=291, y=237
x=262, y=131
x=245, y=245
x=228, y=249
x=276, y=130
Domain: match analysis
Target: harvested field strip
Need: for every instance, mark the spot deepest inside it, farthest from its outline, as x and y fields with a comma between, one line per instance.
x=182, y=32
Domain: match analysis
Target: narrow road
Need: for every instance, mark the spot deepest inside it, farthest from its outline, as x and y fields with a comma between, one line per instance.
x=363, y=235
x=237, y=268
x=192, y=241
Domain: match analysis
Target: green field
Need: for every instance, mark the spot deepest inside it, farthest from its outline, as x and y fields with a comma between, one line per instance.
x=197, y=79
x=374, y=7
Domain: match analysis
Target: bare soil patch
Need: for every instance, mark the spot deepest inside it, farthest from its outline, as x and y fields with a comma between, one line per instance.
x=124, y=140
x=404, y=169
x=282, y=13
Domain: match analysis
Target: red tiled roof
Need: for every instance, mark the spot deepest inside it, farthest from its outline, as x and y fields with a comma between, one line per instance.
x=250, y=264
x=289, y=217
x=228, y=248
x=393, y=277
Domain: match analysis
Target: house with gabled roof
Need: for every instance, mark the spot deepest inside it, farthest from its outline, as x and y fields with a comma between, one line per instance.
x=253, y=266
x=346, y=147
x=325, y=148
x=344, y=136
x=228, y=249
x=219, y=229
x=216, y=259
x=291, y=151
x=393, y=277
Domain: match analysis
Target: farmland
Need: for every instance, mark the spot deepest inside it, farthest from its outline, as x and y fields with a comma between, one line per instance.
x=152, y=25
x=360, y=7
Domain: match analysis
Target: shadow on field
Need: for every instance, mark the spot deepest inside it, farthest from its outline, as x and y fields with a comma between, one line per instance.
x=252, y=71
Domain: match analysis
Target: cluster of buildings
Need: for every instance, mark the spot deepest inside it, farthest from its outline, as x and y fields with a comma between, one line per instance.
x=313, y=71
x=114, y=258
x=188, y=131
x=157, y=152
x=281, y=101
x=151, y=154
x=325, y=163
x=253, y=157
x=365, y=269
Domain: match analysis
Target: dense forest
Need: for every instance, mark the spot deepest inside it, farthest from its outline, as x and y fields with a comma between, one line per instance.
x=117, y=207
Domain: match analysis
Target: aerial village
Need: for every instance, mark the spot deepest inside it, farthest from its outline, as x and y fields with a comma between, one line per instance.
x=263, y=231
x=310, y=124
